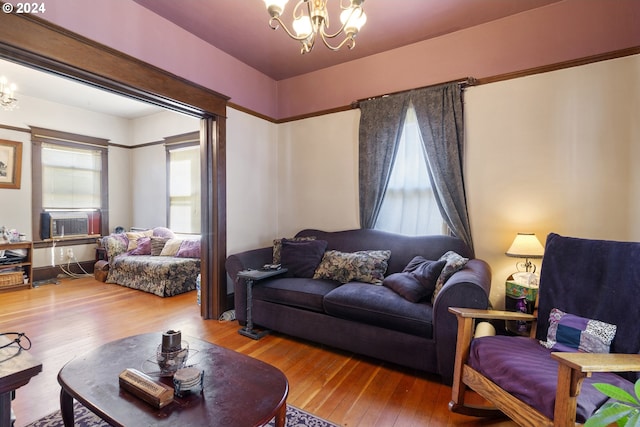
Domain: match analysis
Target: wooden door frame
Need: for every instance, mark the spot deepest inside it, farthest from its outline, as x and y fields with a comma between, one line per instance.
x=34, y=42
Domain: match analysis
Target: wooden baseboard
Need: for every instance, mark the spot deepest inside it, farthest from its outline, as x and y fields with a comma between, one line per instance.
x=51, y=272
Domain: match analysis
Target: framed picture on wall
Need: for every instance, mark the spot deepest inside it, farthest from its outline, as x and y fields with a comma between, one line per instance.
x=10, y=163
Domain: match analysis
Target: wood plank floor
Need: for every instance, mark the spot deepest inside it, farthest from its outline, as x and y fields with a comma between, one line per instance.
x=77, y=315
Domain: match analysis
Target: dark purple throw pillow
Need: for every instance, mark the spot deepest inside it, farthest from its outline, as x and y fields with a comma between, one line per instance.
x=418, y=283
x=302, y=258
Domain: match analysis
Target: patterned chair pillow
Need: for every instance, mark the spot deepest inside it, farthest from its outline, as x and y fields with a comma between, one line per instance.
x=361, y=266
x=571, y=333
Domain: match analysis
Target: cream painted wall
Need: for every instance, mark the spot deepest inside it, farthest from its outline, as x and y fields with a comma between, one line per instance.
x=148, y=198
x=553, y=152
x=318, y=173
x=253, y=194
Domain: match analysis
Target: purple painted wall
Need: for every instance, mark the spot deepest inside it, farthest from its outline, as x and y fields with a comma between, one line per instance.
x=559, y=32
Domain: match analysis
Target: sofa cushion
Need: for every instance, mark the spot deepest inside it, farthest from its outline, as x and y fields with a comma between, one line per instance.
x=294, y=291
x=363, y=266
x=302, y=257
x=418, y=283
x=380, y=306
x=133, y=237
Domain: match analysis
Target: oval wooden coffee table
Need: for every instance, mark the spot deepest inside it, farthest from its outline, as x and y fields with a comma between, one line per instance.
x=238, y=390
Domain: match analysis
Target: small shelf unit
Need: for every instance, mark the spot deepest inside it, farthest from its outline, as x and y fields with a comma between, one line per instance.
x=10, y=268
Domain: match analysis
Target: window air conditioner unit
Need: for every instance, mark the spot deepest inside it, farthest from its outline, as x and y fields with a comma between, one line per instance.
x=57, y=225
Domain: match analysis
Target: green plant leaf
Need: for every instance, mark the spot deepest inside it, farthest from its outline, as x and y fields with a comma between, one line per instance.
x=633, y=420
x=609, y=413
x=616, y=393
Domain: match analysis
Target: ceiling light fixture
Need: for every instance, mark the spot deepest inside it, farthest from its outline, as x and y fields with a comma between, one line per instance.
x=7, y=94
x=315, y=22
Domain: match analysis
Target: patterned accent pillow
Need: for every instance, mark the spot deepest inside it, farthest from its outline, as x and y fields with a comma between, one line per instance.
x=189, y=249
x=157, y=244
x=571, y=333
x=361, y=266
x=115, y=244
x=454, y=263
x=143, y=247
x=277, y=247
x=133, y=237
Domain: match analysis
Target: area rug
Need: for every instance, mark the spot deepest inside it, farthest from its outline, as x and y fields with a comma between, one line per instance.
x=85, y=418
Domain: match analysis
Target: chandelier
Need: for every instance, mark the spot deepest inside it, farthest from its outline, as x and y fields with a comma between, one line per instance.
x=311, y=20
x=7, y=91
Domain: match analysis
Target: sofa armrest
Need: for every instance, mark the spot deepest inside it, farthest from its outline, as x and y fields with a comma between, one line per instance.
x=255, y=258
x=468, y=288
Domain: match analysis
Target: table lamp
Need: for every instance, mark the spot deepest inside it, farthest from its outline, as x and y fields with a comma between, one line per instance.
x=526, y=245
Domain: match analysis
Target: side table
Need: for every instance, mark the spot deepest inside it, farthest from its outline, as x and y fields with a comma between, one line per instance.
x=251, y=276
x=16, y=369
x=522, y=298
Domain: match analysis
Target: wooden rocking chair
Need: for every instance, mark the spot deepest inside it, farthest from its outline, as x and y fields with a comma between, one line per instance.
x=592, y=279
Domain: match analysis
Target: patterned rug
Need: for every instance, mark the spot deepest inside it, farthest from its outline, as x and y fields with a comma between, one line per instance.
x=85, y=418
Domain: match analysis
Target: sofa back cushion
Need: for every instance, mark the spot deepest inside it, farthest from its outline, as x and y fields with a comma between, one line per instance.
x=403, y=248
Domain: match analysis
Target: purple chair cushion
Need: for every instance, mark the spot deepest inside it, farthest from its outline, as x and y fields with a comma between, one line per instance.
x=525, y=369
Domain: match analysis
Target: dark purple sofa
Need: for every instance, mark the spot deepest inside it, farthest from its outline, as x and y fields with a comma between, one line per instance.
x=368, y=319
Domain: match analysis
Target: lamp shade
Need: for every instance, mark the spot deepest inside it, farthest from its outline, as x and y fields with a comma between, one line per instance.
x=526, y=245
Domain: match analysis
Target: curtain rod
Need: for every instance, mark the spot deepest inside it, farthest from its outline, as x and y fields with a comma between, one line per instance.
x=467, y=81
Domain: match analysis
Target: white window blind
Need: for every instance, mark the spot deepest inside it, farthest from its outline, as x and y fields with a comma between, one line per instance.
x=409, y=206
x=184, y=189
x=71, y=177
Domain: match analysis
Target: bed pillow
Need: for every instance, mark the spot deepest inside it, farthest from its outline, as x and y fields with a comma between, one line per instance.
x=454, y=262
x=277, y=247
x=571, y=333
x=302, y=257
x=418, y=283
x=143, y=247
x=361, y=266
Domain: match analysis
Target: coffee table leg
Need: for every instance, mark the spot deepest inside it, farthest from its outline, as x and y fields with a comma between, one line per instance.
x=66, y=408
x=281, y=416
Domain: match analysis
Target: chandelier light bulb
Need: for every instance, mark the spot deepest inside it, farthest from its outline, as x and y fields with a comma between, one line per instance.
x=311, y=22
x=7, y=94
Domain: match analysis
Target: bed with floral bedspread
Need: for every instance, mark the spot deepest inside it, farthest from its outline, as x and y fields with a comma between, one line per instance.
x=153, y=261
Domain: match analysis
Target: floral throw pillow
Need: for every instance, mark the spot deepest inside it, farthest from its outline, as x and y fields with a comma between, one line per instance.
x=115, y=244
x=454, y=263
x=571, y=333
x=361, y=266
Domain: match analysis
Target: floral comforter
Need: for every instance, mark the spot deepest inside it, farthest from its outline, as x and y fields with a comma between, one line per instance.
x=160, y=275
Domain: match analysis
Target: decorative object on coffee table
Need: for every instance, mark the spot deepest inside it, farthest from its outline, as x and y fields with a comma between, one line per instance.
x=246, y=391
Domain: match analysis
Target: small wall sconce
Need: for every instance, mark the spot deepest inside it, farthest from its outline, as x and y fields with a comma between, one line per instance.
x=526, y=245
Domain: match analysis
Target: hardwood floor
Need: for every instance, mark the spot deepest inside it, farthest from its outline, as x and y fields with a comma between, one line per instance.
x=67, y=319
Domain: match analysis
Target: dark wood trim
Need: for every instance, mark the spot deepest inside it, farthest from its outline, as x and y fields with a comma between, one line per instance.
x=29, y=39
x=60, y=137
x=34, y=42
x=14, y=128
x=51, y=272
x=214, y=229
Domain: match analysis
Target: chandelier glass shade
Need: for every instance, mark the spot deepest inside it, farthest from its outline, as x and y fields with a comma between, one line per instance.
x=311, y=21
x=8, y=100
